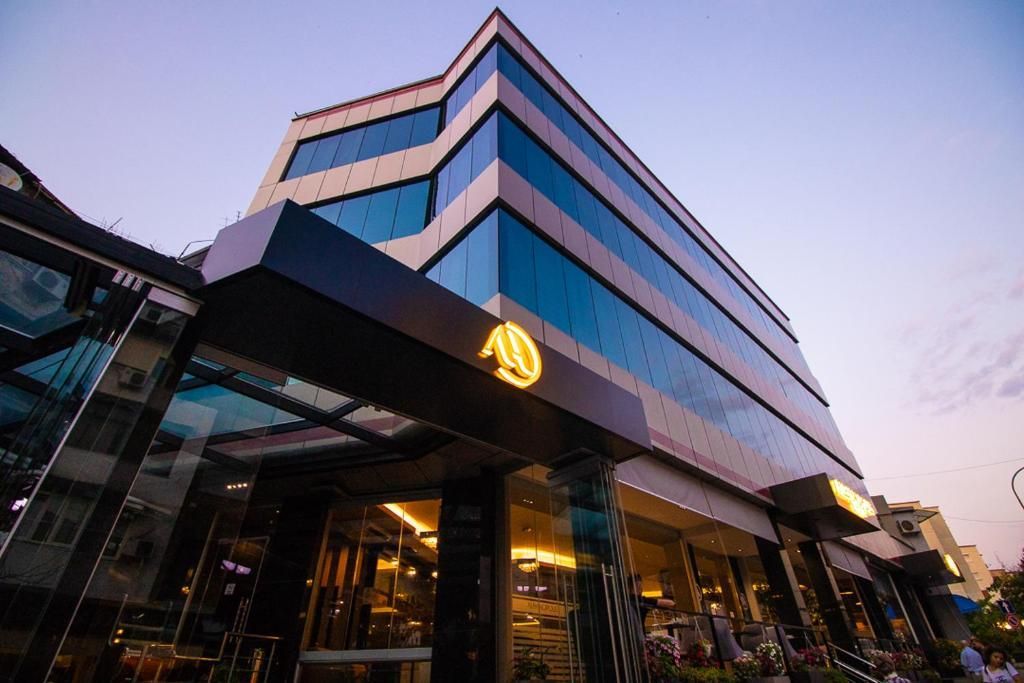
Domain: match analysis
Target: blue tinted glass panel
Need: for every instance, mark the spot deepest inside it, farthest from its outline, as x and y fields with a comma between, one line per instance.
x=399, y=133
x=511, y=145
x=329, y=212
x=373, y=141
x=453, y=269
x=324, y=154
x=461, y=168
x=380, y=216
x=348, y=149
x=303, y=155
x=538, y=165
x=424, y=127
x=485, y=146
x=412, y=209
x=353, y=215
x=608, y=325
x=636, y=360
x=516, y=271
x=508, y=65
x=581, y=307
x=482, y=266
x=551, y=297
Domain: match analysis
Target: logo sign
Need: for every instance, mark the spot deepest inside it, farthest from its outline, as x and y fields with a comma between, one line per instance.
x=851, y=500
x=517, y=355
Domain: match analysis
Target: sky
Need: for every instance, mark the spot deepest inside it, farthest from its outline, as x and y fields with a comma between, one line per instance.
x=864, y=162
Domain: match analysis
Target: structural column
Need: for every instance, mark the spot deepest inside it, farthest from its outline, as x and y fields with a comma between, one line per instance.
x=830, y=602
x=604, y=624
x=466, y=615
x=786, y=597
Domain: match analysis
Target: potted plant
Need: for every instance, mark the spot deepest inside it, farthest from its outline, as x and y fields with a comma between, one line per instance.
x=699, y=655
x=808, y=666
x=773, y=666
x=530, y=666
x=664, y=658
x=746, y=668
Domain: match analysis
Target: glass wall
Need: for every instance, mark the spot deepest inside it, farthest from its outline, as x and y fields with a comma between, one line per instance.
x=499, y=58
x=260, y=526
x=545, y=282
x=540, y=169
x=383, y=215
x=364, y=142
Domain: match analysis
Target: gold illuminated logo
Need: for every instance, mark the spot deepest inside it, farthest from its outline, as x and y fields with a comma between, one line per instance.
x=516, y=353
x=951, y=565
x=851, y=500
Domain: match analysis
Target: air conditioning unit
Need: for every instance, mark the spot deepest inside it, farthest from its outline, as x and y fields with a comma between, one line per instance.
x=51, y=282
x=132, y=377
x=152, y=315
x=908, y=527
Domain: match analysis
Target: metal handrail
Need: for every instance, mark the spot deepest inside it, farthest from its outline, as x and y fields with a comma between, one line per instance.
x=851, y=655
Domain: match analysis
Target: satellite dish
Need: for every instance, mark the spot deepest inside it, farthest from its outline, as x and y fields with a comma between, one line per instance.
x=10, y=178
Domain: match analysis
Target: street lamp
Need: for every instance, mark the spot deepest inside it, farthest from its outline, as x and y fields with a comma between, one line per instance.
x=1014, y=488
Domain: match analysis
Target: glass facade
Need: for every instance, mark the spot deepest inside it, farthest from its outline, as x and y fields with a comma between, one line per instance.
x=382, y=215
x=506, y=63
x=202, y=479
x=545, y=282
x=500, y=137
x=365, y=142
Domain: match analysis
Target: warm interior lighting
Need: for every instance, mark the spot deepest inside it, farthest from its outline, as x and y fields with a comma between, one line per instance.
x=428, y=538
x=516, y=353
x=851, y=500
x=398, y=511
x=526, y=620
x=528, y=564
x=544, y=556
x=951, y=565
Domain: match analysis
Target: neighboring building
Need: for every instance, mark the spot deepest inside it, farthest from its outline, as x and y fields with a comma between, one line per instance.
x=978, y=569
x=316, y=449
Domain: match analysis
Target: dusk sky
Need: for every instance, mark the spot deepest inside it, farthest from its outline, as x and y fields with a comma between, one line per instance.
x=864, y=162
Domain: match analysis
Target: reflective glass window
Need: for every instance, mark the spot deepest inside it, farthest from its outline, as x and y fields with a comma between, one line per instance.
x=411, y=215
x=373, y=141
x=424, y=127
x=300, y=162
x=516, y=270
x=348, y=148
x=399, y=134
x=482, y=261
x=453, y=269
x=353, y=215
x=380, y=216
x=551, y=294
x=324, y=154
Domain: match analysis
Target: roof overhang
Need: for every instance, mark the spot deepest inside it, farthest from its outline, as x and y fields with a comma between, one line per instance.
x=823, y=508
x=288, y=289
x=931, y=568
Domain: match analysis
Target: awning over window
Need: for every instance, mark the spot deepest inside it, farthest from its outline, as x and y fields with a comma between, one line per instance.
x=848, y=560
x=673, y=485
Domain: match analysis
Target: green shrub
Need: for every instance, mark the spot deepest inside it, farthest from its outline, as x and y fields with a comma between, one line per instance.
x=705, y=674
x=835, y=676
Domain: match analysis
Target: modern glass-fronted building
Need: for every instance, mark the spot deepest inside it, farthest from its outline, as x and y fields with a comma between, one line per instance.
x=467, y=385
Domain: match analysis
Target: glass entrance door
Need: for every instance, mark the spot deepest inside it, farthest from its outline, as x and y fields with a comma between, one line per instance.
x=371, y=611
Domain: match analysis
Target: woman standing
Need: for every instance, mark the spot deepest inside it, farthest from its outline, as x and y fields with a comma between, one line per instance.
x=997, y=667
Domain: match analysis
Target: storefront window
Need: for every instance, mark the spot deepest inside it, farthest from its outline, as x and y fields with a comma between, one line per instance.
x=853, y=602
x=891, y=605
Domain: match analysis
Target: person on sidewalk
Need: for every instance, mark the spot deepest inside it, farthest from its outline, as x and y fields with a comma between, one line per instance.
x=997, y=667
x=971, y=660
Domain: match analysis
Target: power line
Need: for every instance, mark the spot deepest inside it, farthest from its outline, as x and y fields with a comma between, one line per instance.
x=986, y=521
x=955, y=469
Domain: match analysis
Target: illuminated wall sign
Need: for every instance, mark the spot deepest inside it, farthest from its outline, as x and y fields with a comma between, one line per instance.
x=516, y=353
x=851, y=500
x=951, y=565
